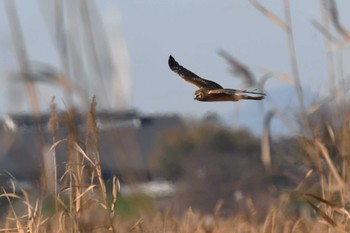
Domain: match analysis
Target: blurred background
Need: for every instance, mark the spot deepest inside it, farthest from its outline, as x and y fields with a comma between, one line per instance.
x=168, y=150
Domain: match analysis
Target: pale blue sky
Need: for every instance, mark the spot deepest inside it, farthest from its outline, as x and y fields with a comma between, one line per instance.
x=192, y=31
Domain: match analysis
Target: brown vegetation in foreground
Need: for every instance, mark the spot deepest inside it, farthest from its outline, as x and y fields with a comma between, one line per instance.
x=80, y=200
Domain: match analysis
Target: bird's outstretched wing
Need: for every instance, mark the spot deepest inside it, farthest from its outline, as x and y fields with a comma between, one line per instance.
x=235, y=92
x=190, y=76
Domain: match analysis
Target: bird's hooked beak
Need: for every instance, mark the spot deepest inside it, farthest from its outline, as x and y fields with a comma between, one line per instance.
x=195, y=96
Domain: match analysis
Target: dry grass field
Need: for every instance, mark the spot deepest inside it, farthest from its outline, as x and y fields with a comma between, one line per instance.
x=80, y=200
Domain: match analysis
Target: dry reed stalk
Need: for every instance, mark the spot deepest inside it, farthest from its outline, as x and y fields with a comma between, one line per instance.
x=23, y=62
x=331, y=165
x=53, y=127
x=53, y=121
x=92, y=144
x=294, y=66
x=271, y=16
x=74, y=165
x=191, y=222
x=48, y=176
x=328, y=39
x=334, y=58
x=70, y=56
x=301, y=183
x=78, y=170
x=33, y=215
x=287, y=27
x=62, y=42
x=265, y=142
x=50, y=181
x=332, y=173
x=217, y=209
x=89, y=16
x=138, y=226
x=327, y=34
x=274, y=74
x=331, y=7
x=115, y=191
x=322, y=214
x=295, y=226
x=270, y=222
x=16, y=219
x=21, y=55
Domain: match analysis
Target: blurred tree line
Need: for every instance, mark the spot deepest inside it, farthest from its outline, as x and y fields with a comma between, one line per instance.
x=213, y=163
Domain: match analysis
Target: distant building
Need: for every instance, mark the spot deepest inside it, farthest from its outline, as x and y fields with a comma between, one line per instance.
x=127, y=140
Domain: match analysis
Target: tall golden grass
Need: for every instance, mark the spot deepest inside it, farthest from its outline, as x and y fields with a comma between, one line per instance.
x=77, y=201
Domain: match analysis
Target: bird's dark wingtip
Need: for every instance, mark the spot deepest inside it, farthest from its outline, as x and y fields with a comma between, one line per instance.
x=171, y=59
x=171, y=62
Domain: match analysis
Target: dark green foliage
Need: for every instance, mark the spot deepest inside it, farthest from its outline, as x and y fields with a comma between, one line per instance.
x=206, y=142
x=133, y=206
x=214, y=162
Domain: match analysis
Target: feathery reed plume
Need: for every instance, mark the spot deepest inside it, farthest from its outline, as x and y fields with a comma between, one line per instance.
x=239, y=69
x=91, y=133
x=92, y=144
x=331, y=6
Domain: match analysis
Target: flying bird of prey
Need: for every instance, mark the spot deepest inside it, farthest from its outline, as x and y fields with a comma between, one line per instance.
x=209, y=90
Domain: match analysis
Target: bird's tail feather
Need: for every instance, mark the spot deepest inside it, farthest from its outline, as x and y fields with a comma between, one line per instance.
x=255, y=92
x=248, y=97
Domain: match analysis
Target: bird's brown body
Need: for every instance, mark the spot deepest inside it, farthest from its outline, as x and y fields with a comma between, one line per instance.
x=203, y=94
x=209, y=90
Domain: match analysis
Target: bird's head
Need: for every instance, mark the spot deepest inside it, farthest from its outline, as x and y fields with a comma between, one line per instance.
x=199, y=95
